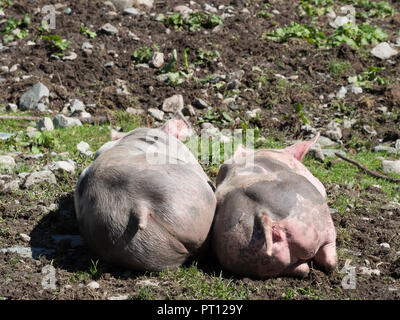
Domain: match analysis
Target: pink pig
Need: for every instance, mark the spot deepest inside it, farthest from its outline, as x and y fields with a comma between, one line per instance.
x=272, y=215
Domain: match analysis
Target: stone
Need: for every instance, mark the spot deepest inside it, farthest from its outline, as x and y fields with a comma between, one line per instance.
x=119, y=297
x=39, y=177
x=30, y=99
x=183, y=10
x=122, y=87
x=93, y=285
x=354, y=89
x=24, y=237
x=173, y=104
x=109, y=29
x=383, y=148
x=71, y=56
x=87, y=46
x=29, y=252
x=162, y=77
x=391, y=166
x=145, y=4
x=155, y=113
x=383, y=51
x=341, y=93
x=316, y=152
x=333, y=131
x=347, y=124
x=331, y=152
x=157, y=60
x=308, y=129
x=7, y=163
x=45, y=124
x=77, y=106
x=251, y=114
x=5, y=135
x=109, y=64
x=12, y=185
x=61, y=121
x=134, y=111
x=397, y=145
x=131, y=12
x=63, y=166
x=200, y=103
x=384, y=245
x=339, y=21
x=12, y=107
x=122, y=4
x=369, y=272
x=369, y=130
x=84, y=148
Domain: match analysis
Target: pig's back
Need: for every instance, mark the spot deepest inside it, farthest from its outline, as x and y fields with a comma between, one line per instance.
x=178, y=200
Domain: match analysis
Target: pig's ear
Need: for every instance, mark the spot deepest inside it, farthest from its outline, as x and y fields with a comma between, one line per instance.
x=115, y=135
x=178, y=127
x=240, y=152
x=300, y=149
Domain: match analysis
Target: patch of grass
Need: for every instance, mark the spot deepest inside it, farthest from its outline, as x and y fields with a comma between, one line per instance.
x=87, y=31
x=57, y=45
x=14, y=24
x=197, y=285
x=338, y=68
x=142, y=54
x=368, y=78
x=380, y=9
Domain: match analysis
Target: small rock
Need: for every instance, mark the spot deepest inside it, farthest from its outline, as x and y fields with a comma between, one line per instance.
x=341, y=93
x=93, y=285
x=28, y=252
x=173, y=104
x=157, y=60
x=45, y=124
x=131, y=12
x=86, y=45
x=354, y=89
x=14, y=68
x=316, y=152
x=397, y=145
x=77, y=106
x=209, y=8
x=391, y=166
x=383, y=51
x=347, y=124
x=109, y=64
x=12, y=185
x=68, y=11
x=384, y=245
x=61, y=166
x=162, y=77
x=339, y=21
x=251, y=114
x=109, y=29
x=200, y=103
x=146, y=4
x=308, y=129
x=119, y=297
x=383, y=148
x=84, y=148
x=369, y=130
x=30, y=99
x=12, y=107
x=7, y=163
x=331, y=152
x=333, y=131
x=183, y=10
x=369, y=272
x=42, y=107
x=72, y=56
x=39, y=177
x=134, y=111
x=157, y=114
x=122, y=4
x=61, y=121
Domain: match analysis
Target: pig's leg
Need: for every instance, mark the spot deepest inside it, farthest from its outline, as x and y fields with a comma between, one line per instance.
x=298, y=269
x=326, y=256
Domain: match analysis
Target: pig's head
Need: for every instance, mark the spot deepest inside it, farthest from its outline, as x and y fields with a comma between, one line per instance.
x=272, y=216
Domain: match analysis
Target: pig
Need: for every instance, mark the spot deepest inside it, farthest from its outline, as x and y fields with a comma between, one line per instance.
x=272, y=215
x=145, y=203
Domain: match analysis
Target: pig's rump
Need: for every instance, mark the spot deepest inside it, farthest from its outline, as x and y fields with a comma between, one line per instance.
x=286, y=199
x=144, y=218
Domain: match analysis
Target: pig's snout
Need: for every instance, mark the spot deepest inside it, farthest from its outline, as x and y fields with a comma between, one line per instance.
x=326, y=257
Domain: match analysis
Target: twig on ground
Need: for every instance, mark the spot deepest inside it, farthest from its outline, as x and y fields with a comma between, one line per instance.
x=372, y=173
